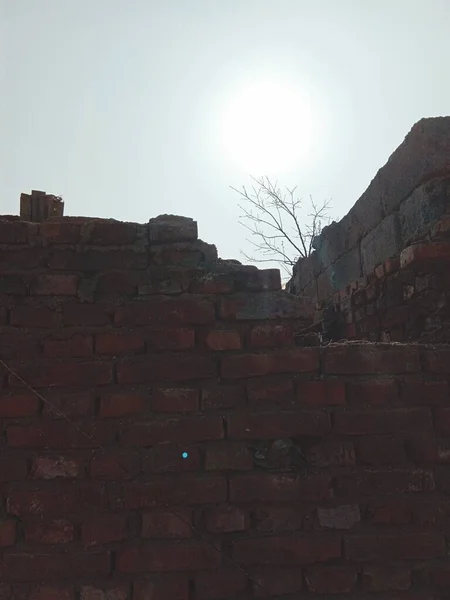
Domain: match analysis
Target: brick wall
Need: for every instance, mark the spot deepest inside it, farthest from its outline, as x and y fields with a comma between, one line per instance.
x=164, y=438
x=404, y=201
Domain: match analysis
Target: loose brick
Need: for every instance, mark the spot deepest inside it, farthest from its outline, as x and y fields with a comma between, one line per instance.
x=227, y=455
x=66, y=373
x=223, y=339
x=277, y=425
x=54, y=285
x=190, y=310
x=46, y=467
x=173, y=366
x=382, y=421
x=78, y=346
x=187, y=430
x=287, y=550
x=122, y=404
x=48, y=531
x=386, y=578
x=104, y=529
x=18, y=405
x=7, y=533
x=370, y=358
x=321, y=393
x=85, y=315
x=176, y=491
x=175, y=400
x=225, y=582
x=280, y=488
x=330, y=579
x=167, y=556
x=226, y=519
x=402, y=546
x=284, y=361
x=119, y=343
x=167, y=524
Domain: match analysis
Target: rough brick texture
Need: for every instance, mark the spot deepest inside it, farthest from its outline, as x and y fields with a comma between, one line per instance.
x=181, y=446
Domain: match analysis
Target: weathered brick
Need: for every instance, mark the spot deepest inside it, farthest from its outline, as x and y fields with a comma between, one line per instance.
x=275, y=519
x=7, y=533
x=381, y=450
x=330, y=579
x=437, y=360
x=225, y=582
x=226, y=519
x=370, y=358
x=115, y=591
x=110, y=233
x=384, y=578
x=85, y=315
x=112, y=467
x=222, y=339
x=104, y=529
x=167, y=524
x=321, y=393
x=167, y=556
x=169, y=366
x=188, y=310
x=280, y=488
x=171, y=458
x=277, y=425
x=401, y=546
x=278, y=392
x=339, y=517
x=18, y=405
x=62, y=406
x=171, y=339
x=66, y=373
x=226, y=455
x=48, y=467
x=175, y=399
x=56, y=500
x=98, y=260
x=172, y=589
x=14, y=284
x=265, y=305
x=369, y=483
x=225, y=396
x=372, y=392
x=178, y=430
x=14, y=232
x=284, y=361
x=60, y=434
x=78, y=346
x=308, y=549
x=172, y=228
x=40, y=317
x=382, y=421
x=119, y=343
x=48, y=531
x=116, y=282
x=54, y=285
x=60, y=232
x=276, y=581
x=271, y=335
x=13, y=469
x=122, y=404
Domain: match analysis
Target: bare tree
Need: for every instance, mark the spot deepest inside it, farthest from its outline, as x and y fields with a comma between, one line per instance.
x=273, y=218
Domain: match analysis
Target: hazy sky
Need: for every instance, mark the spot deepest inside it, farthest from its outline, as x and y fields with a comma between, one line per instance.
x=133, y=108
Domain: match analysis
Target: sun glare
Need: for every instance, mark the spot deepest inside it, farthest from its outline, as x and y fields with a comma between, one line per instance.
x=268, y=127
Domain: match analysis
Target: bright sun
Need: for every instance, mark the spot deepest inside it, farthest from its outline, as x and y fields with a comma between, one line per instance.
x=268, y=127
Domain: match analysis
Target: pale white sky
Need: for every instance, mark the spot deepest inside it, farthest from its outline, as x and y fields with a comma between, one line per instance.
x=123, y=106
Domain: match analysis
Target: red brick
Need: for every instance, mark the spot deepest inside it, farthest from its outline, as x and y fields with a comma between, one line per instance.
x=66, y=373
x=110, y=233
x=401, y=546
x=381, y=450
x=274, y=519
x=14, y=232
x=54, y=285
x=56, y=500
x=116, y=591
x=278, y=392
x=270, y=335
x=169, y=366
x=213, y=283
x=114, y=467
x=78, y=346
x=386, y=481
x=226, y=396
x=60, y=434
x=424, y=255
x=280, y=488
x=175, y=491
x=85, y=315
x=3, y=321
x=321, y=393
x=13, y=284
x=189, y=310
x=370, y=358
x=7, y=533
x=287, y=550
x=18, y=405
x=118, y=343
x=416, y=392
x=227, y=455
x=118, y=282
x=277, y=425
x=390, y=512
x=18, y=345
x=166, y=524
x=60, y=232
x=373, y=392
x=122, y=404
x=61, y=406
x=48, y=467
x=161, y=590
x=104, y=529
x=222, y=339
x=167, y=556
x=382, y=578
x=283, y=361
x=382, y=421
x=181, y=430
x=226, y=519
x=257, y=280
x=276, y=581
x=55, y=531
x=51, y=592
x=90, y=260
x=168, y=458
x=438, y=577
x=225, y=582
x=28, y=316
x=13, y=469
x=171, y=339
x=437, y=360
x=330, y=579
x=339, y=517
x=168, y=400
x=442, y=420
x=41, y=567
x=16, y=260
